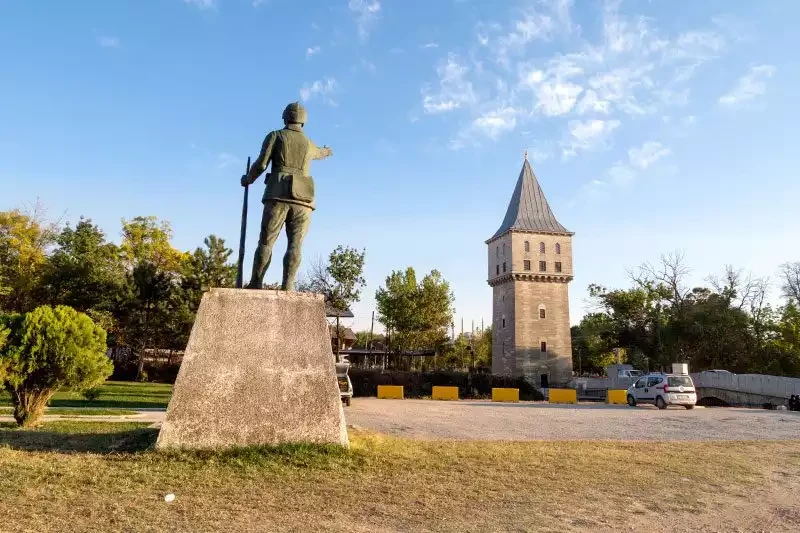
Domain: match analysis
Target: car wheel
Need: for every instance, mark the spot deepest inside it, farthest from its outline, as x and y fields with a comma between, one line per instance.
x=689, y=406
x=660, y=403
x=631, y=401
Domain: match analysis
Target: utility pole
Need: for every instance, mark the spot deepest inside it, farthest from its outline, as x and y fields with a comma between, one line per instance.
x=472, y=346
x=462, y=326
x=369, y=342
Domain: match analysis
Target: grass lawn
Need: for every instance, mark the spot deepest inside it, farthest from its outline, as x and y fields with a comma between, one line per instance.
x=77, y=411
x=113, y=394
x=94, y=476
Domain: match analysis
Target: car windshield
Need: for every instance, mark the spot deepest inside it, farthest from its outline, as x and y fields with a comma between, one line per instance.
x=680, y=381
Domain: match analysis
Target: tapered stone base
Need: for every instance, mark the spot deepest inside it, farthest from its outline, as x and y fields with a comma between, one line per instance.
x=258, y=370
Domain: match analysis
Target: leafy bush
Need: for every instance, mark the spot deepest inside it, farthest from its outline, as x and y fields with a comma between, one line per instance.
x=51, y=349
x=91, y=394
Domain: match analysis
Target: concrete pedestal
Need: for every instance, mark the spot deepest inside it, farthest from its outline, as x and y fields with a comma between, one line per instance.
x=258, y=369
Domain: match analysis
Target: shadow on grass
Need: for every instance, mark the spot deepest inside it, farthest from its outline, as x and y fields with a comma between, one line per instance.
x=69, y=437
x=124, y=437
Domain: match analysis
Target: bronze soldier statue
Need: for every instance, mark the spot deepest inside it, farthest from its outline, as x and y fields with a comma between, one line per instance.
x=289, y=197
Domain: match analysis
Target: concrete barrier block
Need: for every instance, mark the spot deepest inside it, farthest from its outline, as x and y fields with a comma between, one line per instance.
x=617, y=396
x=390, y=392
x=563, y=396
x=505, y=395
x=444, y=393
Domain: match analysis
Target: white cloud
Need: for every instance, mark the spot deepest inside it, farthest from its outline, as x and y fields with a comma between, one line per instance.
x=647, y=154
x=624, y=173
x=554, y=95
x=551, y=19
x=323, y=88
x=225, y=160
x=554, y=98
x=621, y=174
x=588, y=135
x=454, y=88
x=590, y=103
x=429, y=45
x=632, y=68
x=618, y=87
x=312, y=51
x=201, y=4
x=493, y=123
x=366, y=15
x=749, y=86
x=109, y=42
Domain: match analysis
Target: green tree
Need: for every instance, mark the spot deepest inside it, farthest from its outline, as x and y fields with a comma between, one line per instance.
x=147, y=308
x=150, y=310
x=593, y=343
x=84, y=272
x=24, y=239
x=54, y=348
x=146, y=239
x=416, y=315
x=340, y=280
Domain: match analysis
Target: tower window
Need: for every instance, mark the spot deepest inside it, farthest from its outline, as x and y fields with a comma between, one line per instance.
x=504, y=249
x=527, y=246
x=497, y=270
x=558, y=266
x=497, y=252
x=543, y=346
x=504, y=321
x=541, y=247
x=542, y=266
x=526, y=264
x=558, y=248
x=542, y=313
x=504, y=266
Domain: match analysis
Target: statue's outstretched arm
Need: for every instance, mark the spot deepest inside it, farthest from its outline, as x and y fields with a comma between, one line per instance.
x=321, y=152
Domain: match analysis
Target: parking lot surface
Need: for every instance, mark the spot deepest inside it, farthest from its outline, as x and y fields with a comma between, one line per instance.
x=484, y=420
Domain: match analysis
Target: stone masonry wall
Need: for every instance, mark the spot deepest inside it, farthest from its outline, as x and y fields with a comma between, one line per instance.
x=503, y=359
x=531, y=330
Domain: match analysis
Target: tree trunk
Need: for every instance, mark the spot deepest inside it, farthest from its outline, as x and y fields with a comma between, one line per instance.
x=29, y=406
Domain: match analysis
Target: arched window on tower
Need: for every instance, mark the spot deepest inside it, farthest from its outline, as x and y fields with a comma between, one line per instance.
x=541, y=247
x=504, y=249
x=558, y=248
x=497, y=252
x=527, y=246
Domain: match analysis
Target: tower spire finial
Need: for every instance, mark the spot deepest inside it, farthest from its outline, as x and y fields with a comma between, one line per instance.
x=526, y=154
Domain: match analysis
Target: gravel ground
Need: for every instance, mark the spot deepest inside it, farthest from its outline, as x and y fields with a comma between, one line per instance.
x=481, y=420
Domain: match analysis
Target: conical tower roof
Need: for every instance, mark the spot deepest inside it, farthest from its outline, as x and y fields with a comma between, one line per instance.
x=528, y=209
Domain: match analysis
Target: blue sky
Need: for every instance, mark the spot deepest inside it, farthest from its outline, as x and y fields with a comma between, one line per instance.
x=652, y=126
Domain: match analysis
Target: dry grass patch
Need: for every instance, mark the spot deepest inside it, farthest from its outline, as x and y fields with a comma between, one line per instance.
x=381, y=484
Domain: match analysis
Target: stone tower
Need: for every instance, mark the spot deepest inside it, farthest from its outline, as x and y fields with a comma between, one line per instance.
x=530, y=267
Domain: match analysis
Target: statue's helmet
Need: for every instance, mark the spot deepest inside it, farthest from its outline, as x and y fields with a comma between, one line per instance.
x=295, y=113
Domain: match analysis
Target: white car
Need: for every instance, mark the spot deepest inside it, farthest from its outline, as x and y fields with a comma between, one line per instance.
x=663, y=390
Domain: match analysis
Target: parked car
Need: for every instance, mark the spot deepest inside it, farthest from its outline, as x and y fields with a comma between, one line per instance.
x=663, y=390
